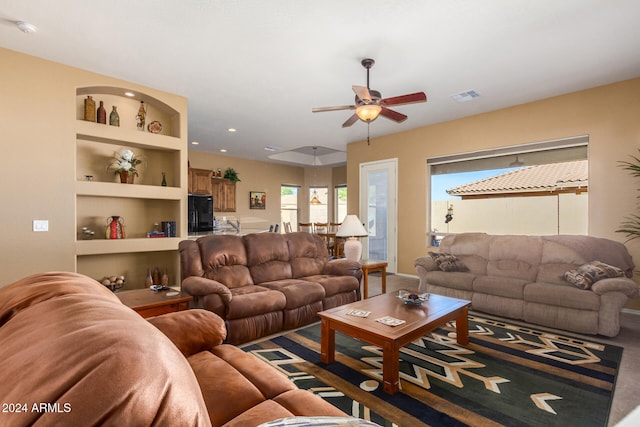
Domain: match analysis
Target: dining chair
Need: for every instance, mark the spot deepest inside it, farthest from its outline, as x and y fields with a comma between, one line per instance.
x=287, y=227
x=305, y=226
x=320, y=227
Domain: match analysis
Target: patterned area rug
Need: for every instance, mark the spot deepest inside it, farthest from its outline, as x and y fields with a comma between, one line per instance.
x=509, y=375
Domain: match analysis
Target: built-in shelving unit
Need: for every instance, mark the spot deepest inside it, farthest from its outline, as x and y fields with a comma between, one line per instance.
x=100, y=195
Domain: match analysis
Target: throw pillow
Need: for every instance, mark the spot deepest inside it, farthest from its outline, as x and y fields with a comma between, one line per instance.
x=447, y=262
x=588, y=274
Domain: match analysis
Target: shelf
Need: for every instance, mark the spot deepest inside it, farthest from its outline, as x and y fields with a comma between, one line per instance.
x=106, y=134
x=111, y=189
x=104, y=246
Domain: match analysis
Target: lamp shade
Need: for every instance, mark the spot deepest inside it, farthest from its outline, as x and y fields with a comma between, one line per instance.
x=368, y=112
x=351, y=227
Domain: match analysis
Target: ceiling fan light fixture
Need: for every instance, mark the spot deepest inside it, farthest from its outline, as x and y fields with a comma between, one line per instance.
x=368, y=112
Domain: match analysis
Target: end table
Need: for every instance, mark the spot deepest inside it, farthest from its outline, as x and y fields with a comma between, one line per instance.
x=369, y=265
x=148, y=303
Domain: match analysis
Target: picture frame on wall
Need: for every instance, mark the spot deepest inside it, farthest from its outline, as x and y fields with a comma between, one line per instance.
x=257, y=200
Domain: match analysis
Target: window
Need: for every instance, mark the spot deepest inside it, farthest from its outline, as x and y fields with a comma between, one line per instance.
x=319, y=212
x=289, y=205
x=534, y=189
x=340, y=203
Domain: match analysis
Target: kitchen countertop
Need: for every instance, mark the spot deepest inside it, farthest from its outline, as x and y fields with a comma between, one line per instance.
x=243, y=231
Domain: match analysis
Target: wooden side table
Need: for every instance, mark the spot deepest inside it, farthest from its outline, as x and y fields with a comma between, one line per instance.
x=369, y=265
x=148, y=303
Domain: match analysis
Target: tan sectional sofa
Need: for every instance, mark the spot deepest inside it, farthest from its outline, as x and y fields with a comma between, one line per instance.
x=523, y=277
x=263, y=283
x=73, y=355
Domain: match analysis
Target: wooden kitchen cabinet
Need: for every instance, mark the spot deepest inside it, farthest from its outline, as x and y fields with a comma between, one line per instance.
x=224, y=195
x=200, y=181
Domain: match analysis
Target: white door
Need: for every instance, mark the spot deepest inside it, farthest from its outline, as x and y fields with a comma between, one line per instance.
x=379, y=210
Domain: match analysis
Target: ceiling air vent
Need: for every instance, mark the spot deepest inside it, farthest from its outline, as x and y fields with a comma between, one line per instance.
x=465, y=96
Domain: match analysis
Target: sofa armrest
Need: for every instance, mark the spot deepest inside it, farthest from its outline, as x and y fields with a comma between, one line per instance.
x=192, y=331
x=201, y=286
x=343, y=267
x=616, y=284
x=426, y=262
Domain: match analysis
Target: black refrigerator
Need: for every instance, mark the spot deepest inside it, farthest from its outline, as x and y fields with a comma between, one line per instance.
x=200, y=213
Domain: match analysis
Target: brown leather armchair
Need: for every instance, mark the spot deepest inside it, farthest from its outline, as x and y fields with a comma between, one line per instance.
x=72, y=354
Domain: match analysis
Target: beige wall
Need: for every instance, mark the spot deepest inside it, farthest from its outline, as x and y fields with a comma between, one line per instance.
x=610, y=115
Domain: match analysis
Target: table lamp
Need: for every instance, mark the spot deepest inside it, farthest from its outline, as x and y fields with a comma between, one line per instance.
x=352, y=228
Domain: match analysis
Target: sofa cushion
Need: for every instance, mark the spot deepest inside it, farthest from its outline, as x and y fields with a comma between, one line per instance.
x=515, y=256
x=227, y=393
x=455, y=280
x=297, y=292
x=587, y=274
x=267, y=257
x=307, y=253
x=224, y=259
x=500, y=286
x=253, y=300
x=561, y=296
x=472, y=249
x=335, y=284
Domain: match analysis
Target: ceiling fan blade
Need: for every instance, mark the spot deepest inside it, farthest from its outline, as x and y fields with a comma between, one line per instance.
x=336, y=108
x=393, y=115
x=405, y=99
x=362, y=93
x=351, y=120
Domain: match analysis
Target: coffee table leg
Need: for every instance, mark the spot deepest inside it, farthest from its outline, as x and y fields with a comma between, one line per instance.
x=384, y=279
x=327, y=343
x=462, y=327
x=365, y=283
x=390, y=368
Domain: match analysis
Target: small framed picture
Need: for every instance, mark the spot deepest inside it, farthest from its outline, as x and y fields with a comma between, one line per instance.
x=257, y=200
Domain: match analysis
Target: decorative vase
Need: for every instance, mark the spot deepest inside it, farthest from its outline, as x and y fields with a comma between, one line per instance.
x=149, y=280
x=102, y=114
x=114, y=117
x=127, y=177
x=89, y=109
x=164, y=280
x=141, y=117
x=115, y=227
x=164, y=179
x=156, y=276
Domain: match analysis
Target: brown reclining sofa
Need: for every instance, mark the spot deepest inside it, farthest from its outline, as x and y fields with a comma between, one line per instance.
x=73, y=355
x=264, y=283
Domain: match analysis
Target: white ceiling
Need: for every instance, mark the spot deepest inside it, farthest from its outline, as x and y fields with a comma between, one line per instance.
x=260, y=66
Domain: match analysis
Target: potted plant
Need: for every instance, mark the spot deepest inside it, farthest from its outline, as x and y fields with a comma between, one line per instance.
x=231, y=174
x=631, y=224
x=124, y=164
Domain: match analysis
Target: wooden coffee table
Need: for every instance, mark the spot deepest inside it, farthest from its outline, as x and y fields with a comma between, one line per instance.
x=419, y=320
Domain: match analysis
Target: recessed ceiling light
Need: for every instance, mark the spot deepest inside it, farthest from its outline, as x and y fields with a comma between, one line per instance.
x=232, y=130
x=25, y=27
x=195, y=143
x=271, y=148
x=465, y=96
x=223, y=150
x=130, y=94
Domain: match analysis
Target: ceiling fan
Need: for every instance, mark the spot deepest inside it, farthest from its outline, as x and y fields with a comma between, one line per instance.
x=369, y=103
